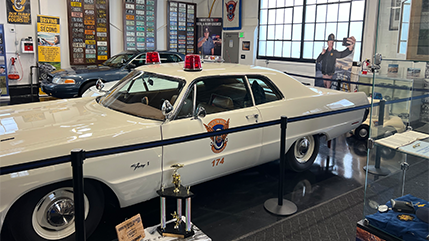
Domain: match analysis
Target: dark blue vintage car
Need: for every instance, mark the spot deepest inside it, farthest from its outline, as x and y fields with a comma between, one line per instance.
x=74, y=82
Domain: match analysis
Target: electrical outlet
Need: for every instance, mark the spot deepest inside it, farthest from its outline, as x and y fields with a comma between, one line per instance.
x=12, y=30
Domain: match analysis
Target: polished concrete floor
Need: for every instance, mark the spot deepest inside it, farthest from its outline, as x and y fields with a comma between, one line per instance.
x=232, y=206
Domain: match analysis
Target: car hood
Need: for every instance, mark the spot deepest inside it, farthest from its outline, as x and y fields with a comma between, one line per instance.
x=38, y=131
x=82, y=71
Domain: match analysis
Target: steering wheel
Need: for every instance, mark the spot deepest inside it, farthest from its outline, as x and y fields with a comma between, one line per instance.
x=145, y=100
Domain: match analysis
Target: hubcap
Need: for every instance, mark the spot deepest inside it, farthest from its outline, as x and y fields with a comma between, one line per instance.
x=53, y=217
x=304, y=148
x=363, y=132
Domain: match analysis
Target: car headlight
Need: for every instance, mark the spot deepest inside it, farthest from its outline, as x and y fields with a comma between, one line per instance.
x=61, y=81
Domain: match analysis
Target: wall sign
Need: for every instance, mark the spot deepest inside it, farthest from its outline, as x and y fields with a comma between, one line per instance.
x=140, y=24
x=89, y=35
x=48, y=40
x=181, y=19
x=18, y=12
x=231, y=14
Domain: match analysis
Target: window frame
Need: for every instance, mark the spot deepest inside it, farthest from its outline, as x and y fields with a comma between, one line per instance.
x=302, y=41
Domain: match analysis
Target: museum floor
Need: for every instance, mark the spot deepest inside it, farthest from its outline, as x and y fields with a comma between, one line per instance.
x=329, y=198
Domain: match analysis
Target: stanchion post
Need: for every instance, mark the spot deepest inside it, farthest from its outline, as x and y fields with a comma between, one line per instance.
x=283, y=126
x=77, y=158
x=278, y=205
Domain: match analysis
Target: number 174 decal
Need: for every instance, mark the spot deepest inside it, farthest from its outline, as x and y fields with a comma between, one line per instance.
x=218, y=162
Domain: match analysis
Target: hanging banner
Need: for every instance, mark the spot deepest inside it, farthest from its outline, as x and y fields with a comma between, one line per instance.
x=231, y=14
x=48, y=41
x=139, y=24
x=209, y=32
x=18, y=11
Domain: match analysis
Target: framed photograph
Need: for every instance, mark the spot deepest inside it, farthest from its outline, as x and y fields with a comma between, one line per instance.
x=418, y=33
x=395, y=15
x=246, y=46
x=231, y=14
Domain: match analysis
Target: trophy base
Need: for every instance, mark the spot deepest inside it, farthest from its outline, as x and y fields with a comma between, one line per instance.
x=170, y=231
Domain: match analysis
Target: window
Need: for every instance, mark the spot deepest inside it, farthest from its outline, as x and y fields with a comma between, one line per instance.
x=299, y=29
x=219, y=94
x=142, y=94
x=262, y=89
x=403, y=32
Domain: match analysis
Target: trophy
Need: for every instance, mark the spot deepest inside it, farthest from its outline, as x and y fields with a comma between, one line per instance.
x=179, y=228
x=176, y=177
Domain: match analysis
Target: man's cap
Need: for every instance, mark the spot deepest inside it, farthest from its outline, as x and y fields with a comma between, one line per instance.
x=206, y=30
x=331, y=37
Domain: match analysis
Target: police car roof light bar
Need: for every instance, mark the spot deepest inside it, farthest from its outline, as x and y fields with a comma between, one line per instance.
x=152, y=58
x=192, y=62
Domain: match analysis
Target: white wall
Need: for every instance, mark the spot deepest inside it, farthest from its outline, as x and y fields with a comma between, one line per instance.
x=249, y=27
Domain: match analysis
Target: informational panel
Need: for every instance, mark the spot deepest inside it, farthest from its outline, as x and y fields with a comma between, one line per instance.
x=89, y=35
x=209, y=36
x=140, y=25
x=48, y=40
x=18, y=11
x=3, y=63
x=181, y=26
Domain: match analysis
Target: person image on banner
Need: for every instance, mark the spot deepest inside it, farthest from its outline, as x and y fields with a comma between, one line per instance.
x=328, y=58
x=205, y=43
x=56, y=41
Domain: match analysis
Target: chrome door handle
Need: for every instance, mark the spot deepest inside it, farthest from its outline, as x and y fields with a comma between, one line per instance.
x=252, y=116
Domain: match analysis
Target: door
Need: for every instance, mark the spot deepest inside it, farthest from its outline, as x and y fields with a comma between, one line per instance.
x=230, y=47
x=228, y=104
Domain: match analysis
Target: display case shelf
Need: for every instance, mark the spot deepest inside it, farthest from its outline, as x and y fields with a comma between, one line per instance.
x=398, y=107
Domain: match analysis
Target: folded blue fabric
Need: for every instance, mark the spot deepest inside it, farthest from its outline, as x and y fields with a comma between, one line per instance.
x=389, y=222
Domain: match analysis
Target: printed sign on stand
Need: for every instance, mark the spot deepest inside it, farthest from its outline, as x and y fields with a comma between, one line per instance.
x=49, y=41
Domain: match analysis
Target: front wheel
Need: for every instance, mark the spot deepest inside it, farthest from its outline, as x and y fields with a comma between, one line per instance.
x=48, y=213
x=302, y=154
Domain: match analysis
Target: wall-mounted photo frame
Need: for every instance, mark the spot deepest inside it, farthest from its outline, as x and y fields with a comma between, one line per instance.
x=246, y=46
x=395, y=15
x=418, y=33
x=231, y=14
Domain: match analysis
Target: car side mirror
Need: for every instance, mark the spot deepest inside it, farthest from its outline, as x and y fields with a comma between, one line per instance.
x=99, y=85
x=201, y=112
x=166, y=108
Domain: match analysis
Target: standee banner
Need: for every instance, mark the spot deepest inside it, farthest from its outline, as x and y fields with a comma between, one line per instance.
x=231, y=14
x=48, y=40
x=18, y=11
x=209, y=32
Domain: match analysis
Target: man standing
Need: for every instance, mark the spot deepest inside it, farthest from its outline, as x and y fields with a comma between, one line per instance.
x=205, y=43
x=329, y=57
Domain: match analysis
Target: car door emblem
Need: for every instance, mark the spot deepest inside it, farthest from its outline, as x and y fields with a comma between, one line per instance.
x=139, y=165
x=218, y=142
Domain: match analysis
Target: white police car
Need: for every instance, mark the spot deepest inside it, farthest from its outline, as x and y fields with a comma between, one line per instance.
x=153, y=103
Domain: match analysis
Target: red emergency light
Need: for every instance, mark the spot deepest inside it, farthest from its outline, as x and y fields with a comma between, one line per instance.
x=192, y=62
x=152, y=58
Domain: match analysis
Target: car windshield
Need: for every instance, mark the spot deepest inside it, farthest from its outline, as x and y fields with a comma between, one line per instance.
x=142, y=94
x=118, y=60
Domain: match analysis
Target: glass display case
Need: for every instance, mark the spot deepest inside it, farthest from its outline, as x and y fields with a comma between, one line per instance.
x=397, y=169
